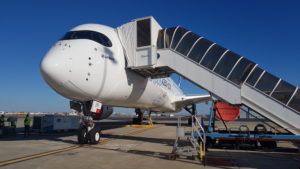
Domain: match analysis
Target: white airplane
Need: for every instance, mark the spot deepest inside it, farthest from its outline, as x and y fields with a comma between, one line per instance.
x=88, y=66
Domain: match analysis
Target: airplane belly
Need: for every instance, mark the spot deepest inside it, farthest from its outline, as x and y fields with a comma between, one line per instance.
x=132, y=90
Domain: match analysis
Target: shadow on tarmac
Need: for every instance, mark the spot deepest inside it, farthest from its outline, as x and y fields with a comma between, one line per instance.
x=169, y=142
x=227, y=159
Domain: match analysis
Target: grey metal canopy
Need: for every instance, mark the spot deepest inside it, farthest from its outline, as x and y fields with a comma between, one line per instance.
x=228, y=64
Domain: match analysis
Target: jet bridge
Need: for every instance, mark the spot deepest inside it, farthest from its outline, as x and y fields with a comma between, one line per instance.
x=156, y=52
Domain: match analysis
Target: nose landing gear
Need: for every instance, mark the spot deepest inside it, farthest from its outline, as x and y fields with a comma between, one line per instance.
x=88, y=132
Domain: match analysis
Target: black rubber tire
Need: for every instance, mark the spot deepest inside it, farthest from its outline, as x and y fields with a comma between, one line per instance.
x=82, y=136
x=172, y=156
x=260, y=129
x=135, y=121
x=268, y=144
x=210, y=142
x=94, y=136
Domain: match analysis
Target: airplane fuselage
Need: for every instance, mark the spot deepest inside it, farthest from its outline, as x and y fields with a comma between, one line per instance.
x=94, y=68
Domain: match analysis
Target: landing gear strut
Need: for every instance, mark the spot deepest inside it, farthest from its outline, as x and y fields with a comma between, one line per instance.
x=88, y=132
x=140, y=117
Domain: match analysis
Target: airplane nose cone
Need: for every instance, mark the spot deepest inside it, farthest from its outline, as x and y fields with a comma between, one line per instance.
x=53, y=70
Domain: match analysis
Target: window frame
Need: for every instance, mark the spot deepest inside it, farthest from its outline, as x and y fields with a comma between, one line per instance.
x=104, y=38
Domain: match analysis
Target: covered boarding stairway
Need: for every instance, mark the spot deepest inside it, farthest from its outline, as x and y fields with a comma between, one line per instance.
x=156, y=52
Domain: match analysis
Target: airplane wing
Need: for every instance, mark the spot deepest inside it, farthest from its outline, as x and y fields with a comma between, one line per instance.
x=185, y=100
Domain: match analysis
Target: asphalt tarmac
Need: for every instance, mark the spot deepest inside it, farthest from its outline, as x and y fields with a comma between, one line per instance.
x=123, y=147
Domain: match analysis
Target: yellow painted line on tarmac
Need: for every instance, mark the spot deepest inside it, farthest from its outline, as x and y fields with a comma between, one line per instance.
x=37, y=155
x=129, y=125
x=140, y=126
x=66, y=149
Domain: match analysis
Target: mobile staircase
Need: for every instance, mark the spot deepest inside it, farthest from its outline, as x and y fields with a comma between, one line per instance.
x=155, y=52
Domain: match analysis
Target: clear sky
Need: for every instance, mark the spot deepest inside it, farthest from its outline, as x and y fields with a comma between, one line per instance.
x=266, y=32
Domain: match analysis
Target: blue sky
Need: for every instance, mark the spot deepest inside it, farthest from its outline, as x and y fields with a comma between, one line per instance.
x=266, y=32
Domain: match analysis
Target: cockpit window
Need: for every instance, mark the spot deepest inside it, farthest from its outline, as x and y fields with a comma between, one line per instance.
x=91, y=35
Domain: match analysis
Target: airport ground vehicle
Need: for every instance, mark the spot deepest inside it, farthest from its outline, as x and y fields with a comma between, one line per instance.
x=242, y=135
